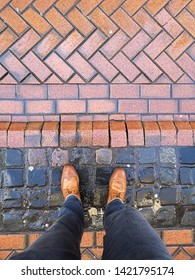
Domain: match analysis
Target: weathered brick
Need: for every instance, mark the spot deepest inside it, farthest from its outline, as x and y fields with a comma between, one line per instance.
x=16, y=135
x=154, y=6
x=132, y=106
x=155, y=91
x=178, y=236
x=168, y=133
x=7, y=38
x=94, y=91
x=135, y=133
x=183, y=91
x=84, y=134
x=187, y=106
x=33, y=134
x=31, y=92
x=50, y=134
x=100, y=133
x=71, y=106
x=187, y=64
x=101, y=106
x=184, y=134
x=40, y=107
x=3, y=133
x=163, y=106
x=175, y=6
x=118, y=134
x=152, y=134
x=10, y=107
x=37, y=157
x=68, y=134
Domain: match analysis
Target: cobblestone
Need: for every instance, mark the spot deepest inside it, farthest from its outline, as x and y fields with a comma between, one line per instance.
x=37, y=177
x=14, y=157
x=147, y=155
x=187, y=155
x=125, y=156
x=14, y=178
x=104, y=156
x=168, y=156
x=37, y=157
x=168, y=176
x=146, y=175
x=60, y=157
x=145, y=197
x=169, y=196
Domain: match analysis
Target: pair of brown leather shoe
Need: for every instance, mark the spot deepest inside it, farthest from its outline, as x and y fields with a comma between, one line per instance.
x=117, y=184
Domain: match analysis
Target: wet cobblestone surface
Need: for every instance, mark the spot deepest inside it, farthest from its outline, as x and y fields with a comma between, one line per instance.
x=161, y=184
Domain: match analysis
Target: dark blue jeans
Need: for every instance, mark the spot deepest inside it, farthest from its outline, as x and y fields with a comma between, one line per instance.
x=128, y=236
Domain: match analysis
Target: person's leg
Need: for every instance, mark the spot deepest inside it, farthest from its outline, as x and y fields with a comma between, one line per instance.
x=129, y=236
x=62, y=240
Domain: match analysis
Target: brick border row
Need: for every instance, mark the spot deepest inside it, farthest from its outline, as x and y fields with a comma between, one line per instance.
x=180, y=243
x=103, y=134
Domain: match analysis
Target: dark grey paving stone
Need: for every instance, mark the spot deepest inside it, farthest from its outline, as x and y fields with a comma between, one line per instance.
x=187, y=155
x=146, y=175
x=14, y=157
x=166, y=217
x=168, y=176
x=37, y=199
x=147, y=155
x=103, y=176
x=145, y=197
x=37, y=177
x=125, y=155
x=169, y=196
x=14, y=178
x=10, y=199
x=12, y=221
x=56, y=176
x=187, y=176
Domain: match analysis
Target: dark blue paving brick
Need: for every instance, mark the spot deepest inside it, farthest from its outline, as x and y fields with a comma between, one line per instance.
x=148, y=214
x=145, y=197
x=84, y=175
x=169, y=196
x=125, y=155
x=1, y=178
x=146, y=175
x=103, y=176
x=10, y=199
x=147, y=155
x=52, y=217
x=168, y=176
x=165, y=217
x=14, y=157
x=187, y=176
x=100, y=196
x=130, y=175
x=82, y=156
x=37, y=177
x=187, y=155
x=188, y=219
x=129, y=198
x=2, y=158
x=34, y=220
x=188, y=196
x=12, y=221
x=56, y=176
x=56, y=198
x=14, y=178
x=37, y=199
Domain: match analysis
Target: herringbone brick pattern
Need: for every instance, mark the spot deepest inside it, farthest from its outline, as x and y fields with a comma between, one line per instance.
x=96, y=41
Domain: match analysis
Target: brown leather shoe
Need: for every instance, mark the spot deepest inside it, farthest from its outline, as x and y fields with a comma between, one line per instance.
x=117, y=185
x=70, y=181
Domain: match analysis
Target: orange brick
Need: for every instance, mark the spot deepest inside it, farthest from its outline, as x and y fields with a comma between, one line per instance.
x=20, y=5
x=68, y=134
x=87, y=6
x=135, y=133
x=36, y=21
x=14, y=20
x=32, y=238
x=87, y=256
x=3, y=133
x=168, y=133
x=152, y=134
x=178, y=237
x=132, y=6
x=50, y=134
x=87, y=239
x=99, y=238
x=3, y=3
x=188, y=21
x=184, y=134
x=175, y=6
x=109, y=6
x=4, y=254
x=84, y=134
x=100, y=133
x=64, y=6
x=33, y=134
x=153, y=6
x=16, y=135
x=181, y=255
x=12, y=241
x=7, y=38
x=42, y=6
x=97, y=252
x=118, y=134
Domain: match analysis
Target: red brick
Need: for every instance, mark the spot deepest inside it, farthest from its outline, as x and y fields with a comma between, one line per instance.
x=190, y=250
x=58, y=21
x=16, y=135
x=97, y=252
x=179, y=45
x=109, y=6
x=135, y=133
x=118, y=134
x=101, y=106
x=101, y=117
x=115, y=43
x=25, y=43
x=132, y=106
x=183, y=91
x=59, y=66
x=5, y=254
x=12, y=241
x=169, y=67
x=125, y=22
x=94, y=91
x=33, y=134
x=47, y=44
x=153, y=6
x=82, y=66
x=152, y=134
x=87, y=239
x=42, y=6
x=117, y=117
x=147, y=66
x=87, y=6
x=3, y=3
x=11, y=107
x=64, y=6
x=92, y=44
x=31, y=91
x=179, y=236
x=124, y=91
x=40, y=107
x=100, y=133
x=20, y=5
x=163, y=106
x=132, y=6
x=101, y=20
x=62, y=91
x=32, y=238
x=103, y=66
x=68, y=134
x=7, y=92
x=13, y=65
x=155, y=91
x=71, y=106
x=69, y=44
x=50, y=134
x=187, y=64
x=99, y=238
x=168, y=133
x=191, y=7
x=84, y=134
x=158, y=45
x=187, y=106
x=3, y=71
x=181, y=255
x=36, y=21
x=175, y=6
x=87, y=255
x=136, y=44
x=184, y=134
x=147, y=23
x=7, y=38
x=76, y=79
x=80, y=21
x=36, y=66
x=3, y=133
x=125, y=66
x=14, y=20
x=51, y=118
